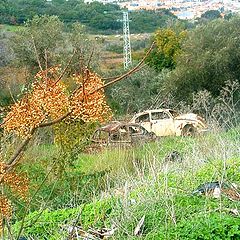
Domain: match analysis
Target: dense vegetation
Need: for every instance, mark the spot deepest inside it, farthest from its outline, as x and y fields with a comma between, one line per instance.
x=209, y=58
x=168, y=47
x=98, y=17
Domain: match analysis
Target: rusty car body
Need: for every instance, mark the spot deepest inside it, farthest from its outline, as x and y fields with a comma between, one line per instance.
x=117, y=133
x=168, y=122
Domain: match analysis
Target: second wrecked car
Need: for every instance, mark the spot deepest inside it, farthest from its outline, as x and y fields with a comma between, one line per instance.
x=117, y=133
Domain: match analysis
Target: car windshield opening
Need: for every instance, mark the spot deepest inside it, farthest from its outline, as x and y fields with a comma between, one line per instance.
x=174, y=113
x=159, y=115
x=143, y=118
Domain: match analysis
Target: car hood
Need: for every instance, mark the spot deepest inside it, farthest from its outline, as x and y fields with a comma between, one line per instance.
x=187, y=116
x=192, y=117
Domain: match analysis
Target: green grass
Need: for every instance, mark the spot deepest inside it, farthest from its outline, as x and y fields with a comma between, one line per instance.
x=53, y=224
x=119, y=186
x=10, y=28
x=169, y=207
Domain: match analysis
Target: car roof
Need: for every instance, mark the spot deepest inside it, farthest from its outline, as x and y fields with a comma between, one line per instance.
x=114, y=126
x=154, y=110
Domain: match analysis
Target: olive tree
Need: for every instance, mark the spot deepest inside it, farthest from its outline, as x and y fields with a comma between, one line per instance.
x=210, y=57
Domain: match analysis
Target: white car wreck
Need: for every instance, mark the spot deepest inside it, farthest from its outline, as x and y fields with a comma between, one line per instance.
x=167, y=122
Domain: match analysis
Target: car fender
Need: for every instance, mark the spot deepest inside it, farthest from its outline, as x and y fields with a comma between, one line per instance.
x=180, y=126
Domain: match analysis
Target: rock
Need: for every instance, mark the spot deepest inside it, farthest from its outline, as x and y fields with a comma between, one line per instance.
x=173, y=156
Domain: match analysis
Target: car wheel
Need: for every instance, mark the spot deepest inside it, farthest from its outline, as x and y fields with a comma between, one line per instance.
x=189, y=130
x=152, y=136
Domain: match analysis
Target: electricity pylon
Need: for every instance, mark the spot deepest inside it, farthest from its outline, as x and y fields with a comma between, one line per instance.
x=127, y=45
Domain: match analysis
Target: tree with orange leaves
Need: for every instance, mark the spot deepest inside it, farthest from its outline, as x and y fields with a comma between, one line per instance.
x=48, y=103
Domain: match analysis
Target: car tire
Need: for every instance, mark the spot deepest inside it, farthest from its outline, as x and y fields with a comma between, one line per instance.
x=153, y=136
x=189, y=131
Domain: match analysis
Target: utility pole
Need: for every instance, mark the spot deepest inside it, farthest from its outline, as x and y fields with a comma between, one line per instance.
x=126, y=38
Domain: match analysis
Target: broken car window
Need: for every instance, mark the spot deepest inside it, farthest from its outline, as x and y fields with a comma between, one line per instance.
x=135, y=130
x=143, y=118
x=159, y=115
x=174, y=113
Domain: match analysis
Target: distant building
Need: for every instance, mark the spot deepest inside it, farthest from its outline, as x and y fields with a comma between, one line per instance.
x=102, y=1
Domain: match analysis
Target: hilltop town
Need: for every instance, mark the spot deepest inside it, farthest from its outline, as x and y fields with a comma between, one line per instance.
x=183, y=9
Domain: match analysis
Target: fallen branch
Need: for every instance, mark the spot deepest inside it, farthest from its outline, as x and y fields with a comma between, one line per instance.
x=136, y=68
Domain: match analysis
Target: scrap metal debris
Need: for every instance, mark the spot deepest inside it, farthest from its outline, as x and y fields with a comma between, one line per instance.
x=173, y=156
x=138, y=228
x=77, y=233
x=234, y=212
x=215, y=189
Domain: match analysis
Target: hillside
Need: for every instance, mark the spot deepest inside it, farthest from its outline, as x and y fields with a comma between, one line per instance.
x=95, y=16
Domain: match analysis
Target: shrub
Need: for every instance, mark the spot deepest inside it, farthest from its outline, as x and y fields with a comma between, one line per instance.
x=52, y=225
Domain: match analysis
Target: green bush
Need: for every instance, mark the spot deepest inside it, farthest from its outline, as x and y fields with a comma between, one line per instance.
x=52, y=225
x=214, y=226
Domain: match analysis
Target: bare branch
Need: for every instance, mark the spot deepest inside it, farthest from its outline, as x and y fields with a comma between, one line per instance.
x=46, y=62
x=90, y=58
x=65, y=69
x=37, y=56
x=136, y=68
x=12, y=161
x=55, y=121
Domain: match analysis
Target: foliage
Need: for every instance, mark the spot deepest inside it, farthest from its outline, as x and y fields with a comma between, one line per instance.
x=59, y=181
x=72, y=138
x=15, y=183
x=38, y=41
x=10, y=78
x=168, y=47
x=214, y=227
x=44, y=43
x=223, y=110
x=148, y=21
x=92, y=105
x=53, y=224
x=209, y=58
x=48, y=99
x=12, y=81
x=98, y=17
x=136, y=93
x=6, y=54
x=47, y=104
x=211, y=14
x=143, y=182
x=172, y=212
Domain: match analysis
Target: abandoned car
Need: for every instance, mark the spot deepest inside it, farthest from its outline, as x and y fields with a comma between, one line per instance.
x=117, y=133
x=167, y=122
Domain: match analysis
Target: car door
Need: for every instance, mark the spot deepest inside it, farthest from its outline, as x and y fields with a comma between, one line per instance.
x=138, y=133
x=144, y=121
x=121, y=136
x=162, y=123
